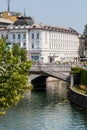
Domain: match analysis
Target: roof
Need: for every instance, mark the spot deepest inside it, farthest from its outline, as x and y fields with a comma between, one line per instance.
x=31, y=23
x=24, y=21
x=53, y=28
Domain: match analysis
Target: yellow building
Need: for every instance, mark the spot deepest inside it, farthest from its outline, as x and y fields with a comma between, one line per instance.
x=13, y=16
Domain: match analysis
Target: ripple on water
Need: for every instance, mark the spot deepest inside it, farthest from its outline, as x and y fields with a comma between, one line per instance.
x=44, y=111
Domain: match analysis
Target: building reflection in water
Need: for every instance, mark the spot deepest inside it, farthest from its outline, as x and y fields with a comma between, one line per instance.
x=56, y=87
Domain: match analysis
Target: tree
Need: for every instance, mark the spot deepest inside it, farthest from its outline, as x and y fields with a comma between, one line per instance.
x=14, y=72
x=16, y=50
x=85, y=30
x=85, y=33
x=23, y=55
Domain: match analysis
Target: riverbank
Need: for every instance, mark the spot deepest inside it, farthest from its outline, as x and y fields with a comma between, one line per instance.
x=77, y=98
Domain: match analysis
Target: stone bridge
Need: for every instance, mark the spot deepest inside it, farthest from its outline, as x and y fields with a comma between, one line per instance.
x=58, y=71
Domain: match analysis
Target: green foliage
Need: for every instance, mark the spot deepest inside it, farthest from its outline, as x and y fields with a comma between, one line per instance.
x=83, y=74
x=16, y=50
x=78, y=89
x=23, y=54
x=75, y=70
x=13, y=75
x=85, y=28
x=83, y=77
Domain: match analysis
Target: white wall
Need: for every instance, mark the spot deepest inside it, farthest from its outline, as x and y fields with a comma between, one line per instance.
x=59, y=45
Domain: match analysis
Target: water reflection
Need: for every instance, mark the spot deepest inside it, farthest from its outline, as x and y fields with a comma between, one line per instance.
x=58, y=88
x=45, y=110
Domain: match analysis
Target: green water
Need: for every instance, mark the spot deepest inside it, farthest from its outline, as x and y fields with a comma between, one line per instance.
x=45, y=110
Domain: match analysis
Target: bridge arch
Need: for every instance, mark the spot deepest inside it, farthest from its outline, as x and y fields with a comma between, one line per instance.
x=39, y=82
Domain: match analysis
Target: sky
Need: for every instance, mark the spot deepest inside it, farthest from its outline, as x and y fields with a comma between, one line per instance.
x=63, y=13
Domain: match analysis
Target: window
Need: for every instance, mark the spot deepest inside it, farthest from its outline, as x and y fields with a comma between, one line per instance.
x=32, y=36
x=37, y=47
x=35, y=58
x=2, y=36
x=6, y=36
x=24, y=44
x=13, y=36
x=32, y=45
x=37, y=36
x=19, y=44
x=24, y=36
x=34, y=26
x=19, y=36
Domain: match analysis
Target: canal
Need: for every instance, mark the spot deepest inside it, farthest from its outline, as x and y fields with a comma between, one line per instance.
x=45, y=110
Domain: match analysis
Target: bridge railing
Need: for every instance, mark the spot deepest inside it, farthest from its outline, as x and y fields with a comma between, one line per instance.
x=60, y=68
x=36, y=68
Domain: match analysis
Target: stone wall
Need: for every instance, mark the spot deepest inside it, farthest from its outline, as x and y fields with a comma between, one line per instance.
x=77, y=98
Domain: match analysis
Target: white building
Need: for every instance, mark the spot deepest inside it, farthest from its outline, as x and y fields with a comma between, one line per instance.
x=43, y=42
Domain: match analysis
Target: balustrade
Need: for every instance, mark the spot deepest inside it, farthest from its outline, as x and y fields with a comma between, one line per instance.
x=60, y=68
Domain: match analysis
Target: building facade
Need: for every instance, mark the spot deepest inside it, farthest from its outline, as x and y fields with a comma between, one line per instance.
x=42, y=42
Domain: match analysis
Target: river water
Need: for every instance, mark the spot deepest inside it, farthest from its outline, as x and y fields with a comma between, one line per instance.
x=45, y=110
